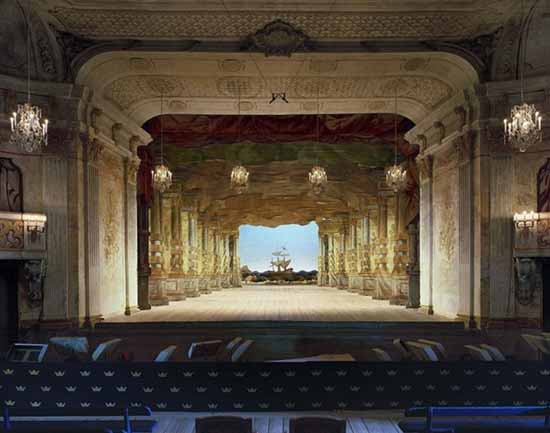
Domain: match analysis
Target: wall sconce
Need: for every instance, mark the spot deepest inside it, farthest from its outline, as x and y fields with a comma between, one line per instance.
x=36, y=230
x=526, y=220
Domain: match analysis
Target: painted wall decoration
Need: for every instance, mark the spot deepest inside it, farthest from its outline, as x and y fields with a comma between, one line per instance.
x=111, y=223
x=11, y=235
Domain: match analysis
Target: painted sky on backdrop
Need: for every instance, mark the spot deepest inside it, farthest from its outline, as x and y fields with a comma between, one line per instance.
x=256, y=243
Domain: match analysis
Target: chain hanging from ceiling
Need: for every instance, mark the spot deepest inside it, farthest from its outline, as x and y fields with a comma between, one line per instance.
x=28, y=130
x=396, y=175
x=523, y=128
x=318, y=176
x=162, y=176
x=239, y=174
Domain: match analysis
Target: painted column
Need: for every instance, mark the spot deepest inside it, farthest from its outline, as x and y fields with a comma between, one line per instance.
x=383, y=284
x=400, y=254
x=156, y=282
x=175, y=285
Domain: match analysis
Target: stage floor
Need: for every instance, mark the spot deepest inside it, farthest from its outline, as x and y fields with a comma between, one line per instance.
x=281, y=304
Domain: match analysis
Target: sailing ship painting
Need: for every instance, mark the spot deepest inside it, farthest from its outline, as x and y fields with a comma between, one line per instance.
x=279, y=261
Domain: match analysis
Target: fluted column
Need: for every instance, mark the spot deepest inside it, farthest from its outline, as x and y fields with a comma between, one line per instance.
x=413, y=269
x=425, y=166
x=54, y=191
x=91, y=223
x=130, y=236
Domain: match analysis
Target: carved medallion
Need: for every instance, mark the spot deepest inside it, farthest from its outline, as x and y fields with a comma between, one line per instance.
x=277, y=38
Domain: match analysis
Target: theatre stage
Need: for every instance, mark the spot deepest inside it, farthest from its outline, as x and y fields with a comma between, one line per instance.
x=263, y=303
x=283, y=321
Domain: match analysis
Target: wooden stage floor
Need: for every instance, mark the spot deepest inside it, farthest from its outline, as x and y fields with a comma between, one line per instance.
x=259, y=303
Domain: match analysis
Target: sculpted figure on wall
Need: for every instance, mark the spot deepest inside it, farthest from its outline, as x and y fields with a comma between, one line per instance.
x=526, y=271
x=11, y=186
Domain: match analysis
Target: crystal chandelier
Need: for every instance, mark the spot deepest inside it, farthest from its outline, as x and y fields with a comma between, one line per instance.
x=318, y=176
x=28, y=130
x=524, y=126
x=318, y=179
x=239, y=178
x=162, y=176
x=396, y=176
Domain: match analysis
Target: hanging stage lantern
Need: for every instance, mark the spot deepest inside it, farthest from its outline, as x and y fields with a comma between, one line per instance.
x=162, y=178
x=318, y=179
x=396, y=178
x=239, y=178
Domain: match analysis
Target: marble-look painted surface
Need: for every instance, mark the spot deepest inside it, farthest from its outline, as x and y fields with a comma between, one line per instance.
x=445, y=232
x=111, y=236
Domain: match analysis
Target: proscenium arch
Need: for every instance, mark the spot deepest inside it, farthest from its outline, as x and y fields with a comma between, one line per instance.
x=213, y=83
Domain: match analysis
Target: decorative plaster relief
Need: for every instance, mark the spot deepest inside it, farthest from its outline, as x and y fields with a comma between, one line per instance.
x=231, y=65
x=278, y=38
x=427, y=91
x=177, y=106
x=11, y=235
x=323, y=66
x=415, y=64
x=141, y=64
x=221, y=25
x=111, y=222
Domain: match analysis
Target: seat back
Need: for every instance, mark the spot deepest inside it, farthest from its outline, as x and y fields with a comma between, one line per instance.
x=204, y=349
x=223, y=424
x=478, y=353
x=105, y=350
x=317, y=425
x=402, y=348
x=423, y=352
x=239, y=353
x=166, y=354
x=227, y=351
x=382, y=355
x=495, y=352
x=439, y=349
x=71, y=347
x=538, y=343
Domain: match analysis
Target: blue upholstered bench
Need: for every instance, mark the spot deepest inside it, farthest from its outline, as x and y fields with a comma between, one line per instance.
x=37, y=420
x=447, y=419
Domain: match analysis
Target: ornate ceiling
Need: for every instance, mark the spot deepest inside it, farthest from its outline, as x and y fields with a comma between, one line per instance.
x=320, y=19
x=215, y=83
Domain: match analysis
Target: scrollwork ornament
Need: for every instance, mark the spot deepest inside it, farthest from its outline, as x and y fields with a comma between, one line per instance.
x=526, y=269
x=425, y=167
x=34, y=273
x=278, y=38
x=95, y=149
